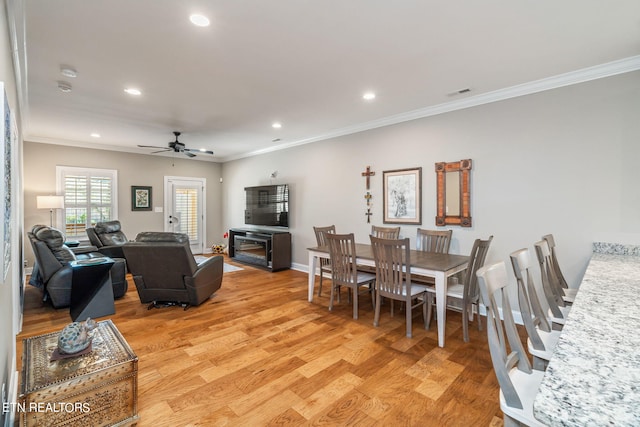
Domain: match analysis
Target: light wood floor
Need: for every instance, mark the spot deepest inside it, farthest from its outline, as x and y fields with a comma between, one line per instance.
x=258, y=353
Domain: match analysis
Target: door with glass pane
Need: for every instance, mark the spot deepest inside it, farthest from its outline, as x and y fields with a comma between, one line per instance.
x=184, y=209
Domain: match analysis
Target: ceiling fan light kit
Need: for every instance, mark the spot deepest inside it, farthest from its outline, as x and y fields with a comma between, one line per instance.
x=177, y=147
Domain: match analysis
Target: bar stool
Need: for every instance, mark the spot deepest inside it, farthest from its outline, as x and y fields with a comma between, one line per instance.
x=542, y=340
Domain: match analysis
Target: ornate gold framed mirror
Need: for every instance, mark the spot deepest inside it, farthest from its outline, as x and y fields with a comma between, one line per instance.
x=454, y=193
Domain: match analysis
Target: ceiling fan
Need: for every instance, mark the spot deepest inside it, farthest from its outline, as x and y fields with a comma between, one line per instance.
x=177, y=147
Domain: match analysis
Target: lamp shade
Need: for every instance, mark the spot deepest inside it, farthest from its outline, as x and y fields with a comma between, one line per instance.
x=50, y=202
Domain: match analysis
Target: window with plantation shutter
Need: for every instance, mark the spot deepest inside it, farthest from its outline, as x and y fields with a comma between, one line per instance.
x=186, y=208
x=90, y=196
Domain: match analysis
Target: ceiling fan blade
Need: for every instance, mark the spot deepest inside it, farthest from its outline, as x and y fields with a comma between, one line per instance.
x=186, y=152
x=161, y=151
x=150, y=146
x=199, y=151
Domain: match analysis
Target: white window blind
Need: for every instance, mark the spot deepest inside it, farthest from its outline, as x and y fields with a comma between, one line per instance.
x=90, y=196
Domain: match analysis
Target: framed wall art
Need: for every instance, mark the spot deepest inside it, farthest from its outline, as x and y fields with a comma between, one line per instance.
x=5, y=251
x=140, y=198
x=402, y=196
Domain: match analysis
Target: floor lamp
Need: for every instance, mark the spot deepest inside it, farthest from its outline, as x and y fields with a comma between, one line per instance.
x=51, y=203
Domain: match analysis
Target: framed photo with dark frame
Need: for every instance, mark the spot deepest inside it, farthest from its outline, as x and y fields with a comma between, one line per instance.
x=140, y=198
x=402, y=196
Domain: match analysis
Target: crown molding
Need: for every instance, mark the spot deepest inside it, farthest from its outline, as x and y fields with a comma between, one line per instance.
x=583, y=75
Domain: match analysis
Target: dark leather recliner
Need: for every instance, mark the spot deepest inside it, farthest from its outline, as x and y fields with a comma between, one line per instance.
x=108, y=238
x=52, y=271
x=165, y=271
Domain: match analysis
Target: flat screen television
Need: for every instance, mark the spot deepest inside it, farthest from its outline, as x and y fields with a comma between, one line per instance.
x=267, y=205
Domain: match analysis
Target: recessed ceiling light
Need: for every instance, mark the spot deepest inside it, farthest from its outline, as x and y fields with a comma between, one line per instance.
x=276, y=125
x=199, y=20
x=95, y=135
x=68, y=72
x=64, y=86
x=133, y=91
x=369, y=96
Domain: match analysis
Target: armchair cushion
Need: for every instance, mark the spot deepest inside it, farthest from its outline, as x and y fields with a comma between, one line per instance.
x=54, y=239
x=160, y=236
x=110, y=233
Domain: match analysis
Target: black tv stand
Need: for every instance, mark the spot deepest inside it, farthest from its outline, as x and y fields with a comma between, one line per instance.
x=270, y=249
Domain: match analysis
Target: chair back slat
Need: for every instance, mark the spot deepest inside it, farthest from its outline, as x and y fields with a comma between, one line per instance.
x=555, y=266
x=393, y=269
x=437, y=241
x=385, y=232
x=552, y=293
x=477, y=257
x=342, y=253
x=321, y=239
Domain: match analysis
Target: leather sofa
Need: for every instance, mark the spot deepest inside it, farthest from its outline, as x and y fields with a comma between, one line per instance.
x=108, y=238
x=52, y=272
x=165, y=271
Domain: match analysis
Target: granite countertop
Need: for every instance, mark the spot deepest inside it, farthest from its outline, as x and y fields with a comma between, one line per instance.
x=593, y=378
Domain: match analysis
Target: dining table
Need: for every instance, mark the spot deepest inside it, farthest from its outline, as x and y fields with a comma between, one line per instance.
x=593, y=377
x=428, y=264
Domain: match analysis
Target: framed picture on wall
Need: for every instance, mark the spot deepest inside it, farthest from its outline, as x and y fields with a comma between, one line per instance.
x=140, y=198
x=402, y=196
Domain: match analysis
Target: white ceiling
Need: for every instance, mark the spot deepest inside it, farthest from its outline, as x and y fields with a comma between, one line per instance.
x=303, y=63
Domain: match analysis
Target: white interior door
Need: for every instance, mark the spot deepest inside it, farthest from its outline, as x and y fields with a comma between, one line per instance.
x=185, y=209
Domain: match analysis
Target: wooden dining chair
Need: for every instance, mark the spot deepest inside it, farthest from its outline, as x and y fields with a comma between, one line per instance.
x=325, y=263
x=542, y=339
x=467, y=291
x=437, y=241
x=558, y=309
x=385, y=232
x=393, y=279
x=568, y=293
x=518, y=382
x=342, y=252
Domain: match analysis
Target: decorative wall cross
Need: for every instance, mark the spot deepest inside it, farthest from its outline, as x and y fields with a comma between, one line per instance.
x=368, y=197
x=368, y=173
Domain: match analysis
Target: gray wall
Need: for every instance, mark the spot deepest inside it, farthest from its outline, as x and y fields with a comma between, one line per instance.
x=133, y=169
x=562, y=162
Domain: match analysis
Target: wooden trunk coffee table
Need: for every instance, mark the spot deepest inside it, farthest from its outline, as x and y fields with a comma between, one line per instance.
x=98, y=388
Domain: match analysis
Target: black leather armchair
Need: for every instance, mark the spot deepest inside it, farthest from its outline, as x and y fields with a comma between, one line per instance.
x=165, y=271
x=108, y=238
x=52, y=272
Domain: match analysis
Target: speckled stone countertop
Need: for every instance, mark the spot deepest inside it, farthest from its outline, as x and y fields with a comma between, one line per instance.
x=593, y=378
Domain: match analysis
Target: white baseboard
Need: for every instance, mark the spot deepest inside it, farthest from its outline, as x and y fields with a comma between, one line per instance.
x=12, y=397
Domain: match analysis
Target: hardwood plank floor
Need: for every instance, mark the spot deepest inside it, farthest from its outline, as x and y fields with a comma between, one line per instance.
x=259, y=354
